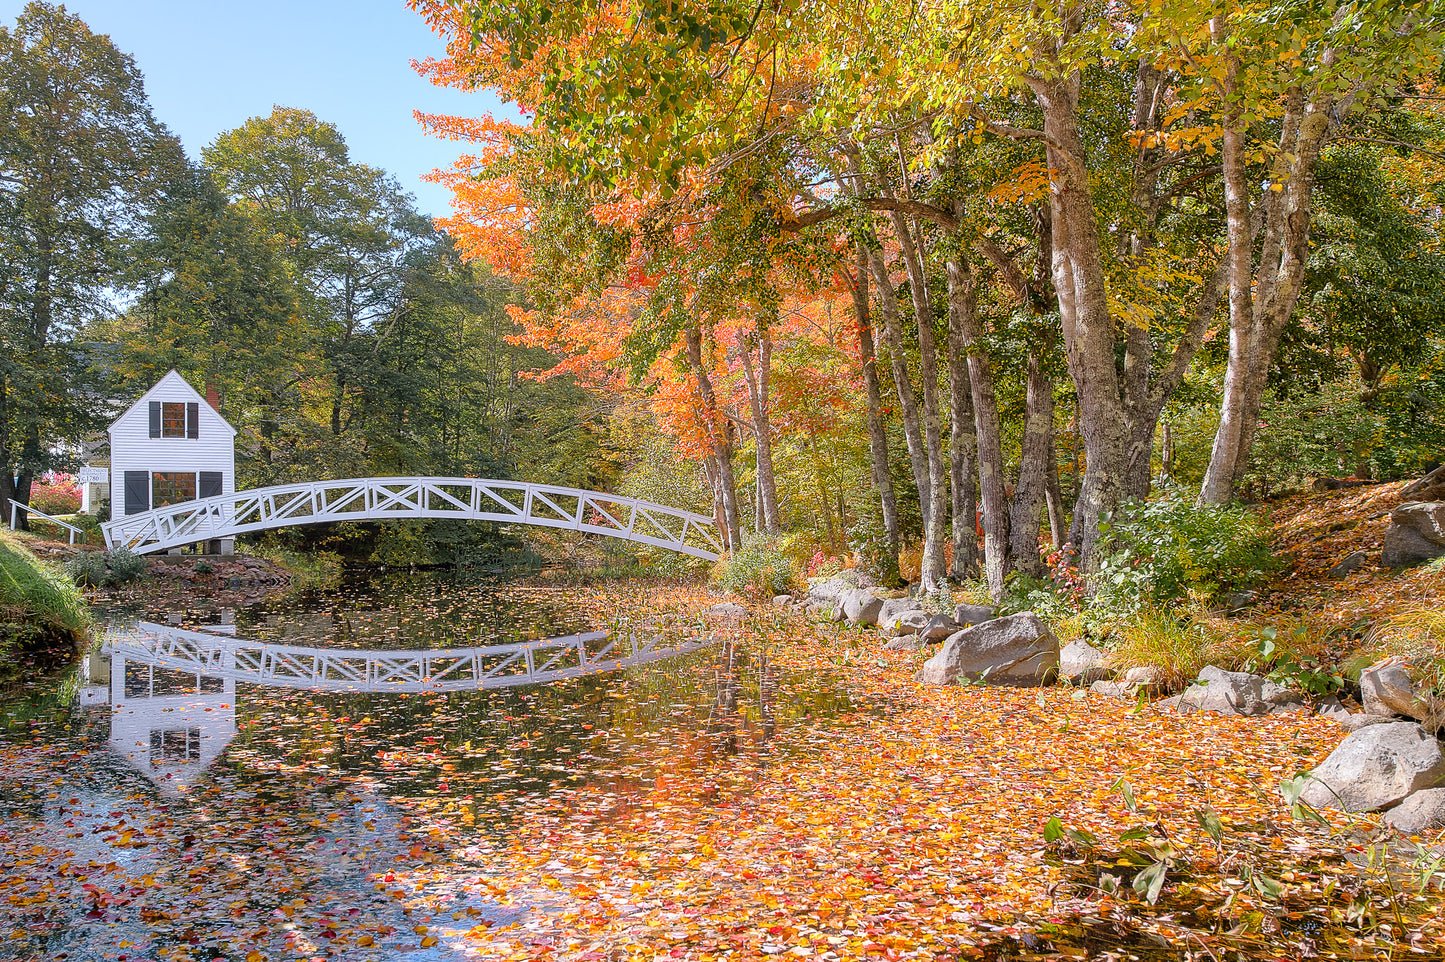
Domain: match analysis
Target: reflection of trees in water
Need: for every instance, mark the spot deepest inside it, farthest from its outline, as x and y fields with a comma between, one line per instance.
x=727, y=722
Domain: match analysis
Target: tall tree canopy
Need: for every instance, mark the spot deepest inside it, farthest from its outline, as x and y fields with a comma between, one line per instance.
x=78, y=152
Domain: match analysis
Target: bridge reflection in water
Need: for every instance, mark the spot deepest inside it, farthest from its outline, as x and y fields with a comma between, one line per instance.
x=172, y=691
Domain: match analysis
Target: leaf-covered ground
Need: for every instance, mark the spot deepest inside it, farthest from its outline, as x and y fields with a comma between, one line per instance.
x=794, y=793
x=1314, y=532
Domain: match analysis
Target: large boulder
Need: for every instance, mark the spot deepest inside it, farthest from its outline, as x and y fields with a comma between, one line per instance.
x=1082, y=663
x=1238, y=693
x=1376, y=767
x=1423, y=811
x=1386, y=689
x=908, y=623
x=1016, y=650
x=828, y=590
x=726, y=611
x=967, y=615
x=1416, y=534
x=939, y=627
x=861, y=606
x=894, y=607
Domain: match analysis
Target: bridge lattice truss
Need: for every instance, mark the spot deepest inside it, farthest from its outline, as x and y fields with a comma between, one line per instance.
x=376, y=499
x=455, y=669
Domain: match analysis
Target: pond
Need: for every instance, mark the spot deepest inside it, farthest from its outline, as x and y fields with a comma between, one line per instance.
x=202, y=809
x=432, y=767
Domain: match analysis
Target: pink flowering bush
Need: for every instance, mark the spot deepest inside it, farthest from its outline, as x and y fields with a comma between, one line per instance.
x=56, y=494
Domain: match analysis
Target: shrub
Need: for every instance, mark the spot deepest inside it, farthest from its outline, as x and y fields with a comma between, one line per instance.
x=125, y=565
x=306, y=569
x=1293, y=659
x=1024, y=592
x=87, y=569
x=760, y=568
x=56, y=494
x=868, y=539
x=1168, y=549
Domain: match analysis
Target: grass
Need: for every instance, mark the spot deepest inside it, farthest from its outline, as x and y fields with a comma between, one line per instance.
x=1175, y=647
x=40, y=610
x=1418, y=634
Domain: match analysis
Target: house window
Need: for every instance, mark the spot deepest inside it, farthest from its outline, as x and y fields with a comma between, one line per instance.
x=172, y=487
x=175, y=745
x=173, y=419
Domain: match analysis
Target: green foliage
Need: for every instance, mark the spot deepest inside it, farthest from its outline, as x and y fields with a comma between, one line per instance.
x=1168, y=549
x=1395, y=429
x=87, y=569
x=78, y=146
x=308, y=569
x=1287, y=661
x=1043, y=596
x=761, y=568
x=40, y=610
x=125, y=565
x=868, y=539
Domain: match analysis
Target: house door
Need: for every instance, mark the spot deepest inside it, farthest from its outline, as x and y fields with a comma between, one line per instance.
x=137, y=492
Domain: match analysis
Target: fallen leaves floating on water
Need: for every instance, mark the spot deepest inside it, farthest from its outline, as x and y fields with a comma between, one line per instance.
x=791, y=793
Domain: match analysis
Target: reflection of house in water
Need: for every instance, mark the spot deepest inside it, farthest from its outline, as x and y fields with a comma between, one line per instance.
x=169, y=724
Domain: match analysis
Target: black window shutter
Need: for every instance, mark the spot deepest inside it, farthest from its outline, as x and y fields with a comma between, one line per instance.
x=210, y=485
x=193, y=420
x=137, y=491
x=155, y=419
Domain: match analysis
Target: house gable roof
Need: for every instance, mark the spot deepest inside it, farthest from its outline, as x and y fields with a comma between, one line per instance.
x=171, y=385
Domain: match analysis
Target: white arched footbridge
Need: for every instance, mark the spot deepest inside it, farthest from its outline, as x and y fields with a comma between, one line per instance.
x=381, y=499
x=392, y=670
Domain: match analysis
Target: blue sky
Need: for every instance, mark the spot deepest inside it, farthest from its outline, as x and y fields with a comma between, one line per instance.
x=209, y=65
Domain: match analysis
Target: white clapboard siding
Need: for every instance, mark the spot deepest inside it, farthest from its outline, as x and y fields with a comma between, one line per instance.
x=133, y=449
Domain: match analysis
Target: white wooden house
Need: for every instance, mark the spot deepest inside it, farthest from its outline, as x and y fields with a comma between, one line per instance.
x=171, y=445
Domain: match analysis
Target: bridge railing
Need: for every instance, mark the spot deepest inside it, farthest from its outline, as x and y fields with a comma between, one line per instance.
x=373, y=499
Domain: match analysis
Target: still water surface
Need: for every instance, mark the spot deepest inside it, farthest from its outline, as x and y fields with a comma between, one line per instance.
x=180, y=815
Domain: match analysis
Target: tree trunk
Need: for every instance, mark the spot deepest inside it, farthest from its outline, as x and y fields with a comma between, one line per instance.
x=963, y=314
x=934, y=518
x=725, y=484
x=1036, y=449
x=907, y=402
x=1263, y=287
x=757, y=382
x=877, y=434
x=1087, y=323
x=1058, y=524
x=962, y=450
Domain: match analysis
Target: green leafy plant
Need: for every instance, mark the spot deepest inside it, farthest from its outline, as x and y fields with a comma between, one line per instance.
x=760, y=568
x=1168, y=549
x=1286, y=664
x=40, y=610
x=87, y=569
x=125, y=565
